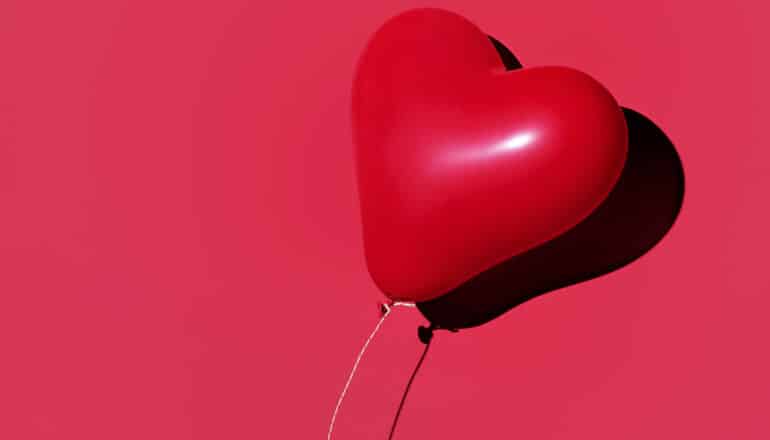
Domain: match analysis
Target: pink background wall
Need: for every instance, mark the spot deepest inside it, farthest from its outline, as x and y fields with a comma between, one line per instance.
x=180, y=253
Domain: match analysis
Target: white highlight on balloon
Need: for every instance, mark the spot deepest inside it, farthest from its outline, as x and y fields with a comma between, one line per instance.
x=511, y=145
x=517, y=142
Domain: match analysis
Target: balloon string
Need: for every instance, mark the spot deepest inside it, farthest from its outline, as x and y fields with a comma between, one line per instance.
x=408, y=387
x=386, y=309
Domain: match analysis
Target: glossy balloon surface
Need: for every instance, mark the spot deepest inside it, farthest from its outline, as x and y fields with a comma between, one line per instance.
x=462, y=165
x=634, y=218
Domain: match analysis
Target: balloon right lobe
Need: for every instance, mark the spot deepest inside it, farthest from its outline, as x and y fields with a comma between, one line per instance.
x=636, y=215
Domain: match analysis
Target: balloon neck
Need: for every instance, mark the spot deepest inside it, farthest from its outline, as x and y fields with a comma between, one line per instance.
x=387, y=307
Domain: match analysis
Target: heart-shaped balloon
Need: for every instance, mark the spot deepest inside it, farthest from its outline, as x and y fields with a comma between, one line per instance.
x=462, y=165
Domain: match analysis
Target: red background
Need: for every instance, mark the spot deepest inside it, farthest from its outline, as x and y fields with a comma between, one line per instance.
x=180, y=252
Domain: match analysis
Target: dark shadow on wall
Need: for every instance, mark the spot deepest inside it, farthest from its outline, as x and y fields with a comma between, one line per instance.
x=509, y=59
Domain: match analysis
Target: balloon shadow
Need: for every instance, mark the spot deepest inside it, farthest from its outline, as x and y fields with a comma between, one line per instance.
x=636, y=215
x=508, y=58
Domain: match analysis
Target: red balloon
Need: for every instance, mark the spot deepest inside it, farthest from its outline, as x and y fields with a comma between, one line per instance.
x=462, y=165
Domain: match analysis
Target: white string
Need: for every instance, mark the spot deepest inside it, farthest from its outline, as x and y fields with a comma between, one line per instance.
x=387, y=309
